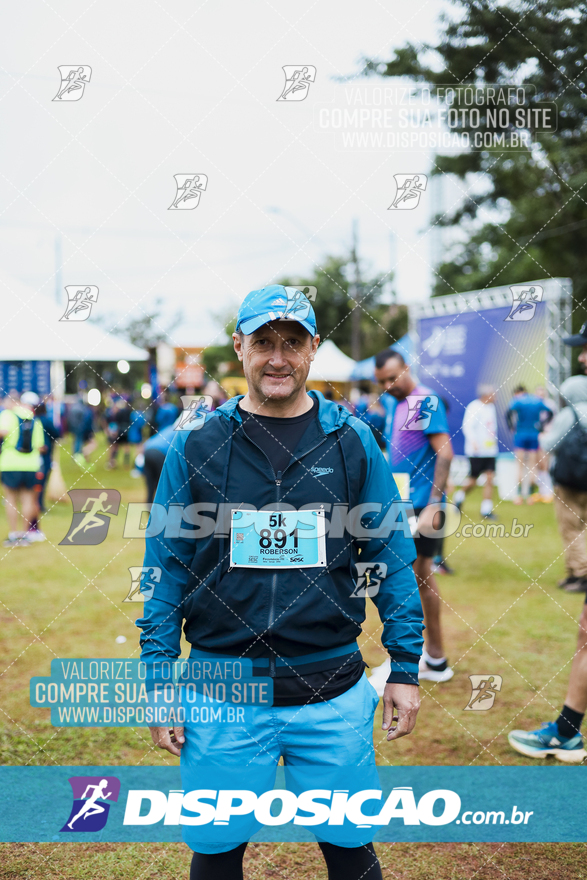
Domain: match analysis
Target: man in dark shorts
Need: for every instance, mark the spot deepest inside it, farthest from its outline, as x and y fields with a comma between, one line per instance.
x=420, y=451
x=480, y=431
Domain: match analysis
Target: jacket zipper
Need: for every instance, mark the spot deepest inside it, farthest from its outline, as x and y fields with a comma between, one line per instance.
x=278, y=481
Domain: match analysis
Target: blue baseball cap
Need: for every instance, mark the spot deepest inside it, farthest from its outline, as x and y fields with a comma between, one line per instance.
x=275, y=303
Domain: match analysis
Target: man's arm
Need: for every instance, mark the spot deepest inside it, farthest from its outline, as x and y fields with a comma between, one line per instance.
x=442, y=446
x=398, y=598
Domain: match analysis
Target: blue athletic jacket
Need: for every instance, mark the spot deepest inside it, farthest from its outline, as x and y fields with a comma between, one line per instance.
x=307, y=616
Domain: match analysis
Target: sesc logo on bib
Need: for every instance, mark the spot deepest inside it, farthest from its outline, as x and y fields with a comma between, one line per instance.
x=277, y=539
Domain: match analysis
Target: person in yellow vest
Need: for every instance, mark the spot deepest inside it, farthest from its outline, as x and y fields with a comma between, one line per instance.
x=20, y=465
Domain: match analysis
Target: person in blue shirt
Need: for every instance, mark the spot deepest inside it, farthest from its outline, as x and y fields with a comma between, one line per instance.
x=420, y=453
x=166, y=413
x=526, y=416
x=282, y=456
x=137, y=423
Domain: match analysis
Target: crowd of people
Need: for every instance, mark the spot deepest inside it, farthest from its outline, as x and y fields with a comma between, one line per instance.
x=30, y=427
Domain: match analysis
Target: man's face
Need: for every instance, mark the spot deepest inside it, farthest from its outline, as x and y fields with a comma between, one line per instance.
x=583, y=358
x=276, y=358
x=394, y=378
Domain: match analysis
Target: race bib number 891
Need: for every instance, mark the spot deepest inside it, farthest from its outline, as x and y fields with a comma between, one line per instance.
x=277, y=539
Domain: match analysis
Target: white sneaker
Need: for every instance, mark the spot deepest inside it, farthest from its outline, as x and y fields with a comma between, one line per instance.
x=429, y=673
x=379, y=676
x=36, y=535
x=17, y=541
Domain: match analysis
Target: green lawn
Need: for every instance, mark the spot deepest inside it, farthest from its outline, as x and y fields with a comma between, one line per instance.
x=502, y=615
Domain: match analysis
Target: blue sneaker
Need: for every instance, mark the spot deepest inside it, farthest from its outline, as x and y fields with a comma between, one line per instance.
x=548, y=741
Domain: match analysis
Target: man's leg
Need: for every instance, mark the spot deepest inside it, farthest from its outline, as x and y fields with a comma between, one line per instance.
x=576, y=698
x=430, y=598
x=520, y=456
x=351, y=863
x=571, y=522
x=12, y=514
x=532, y=473
x=218, y=866
x=460, y=494
x=562, y=738
x=543, y=477
x=487, y=502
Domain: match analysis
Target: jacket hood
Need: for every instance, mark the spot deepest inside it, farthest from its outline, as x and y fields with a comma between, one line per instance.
x=331, y=415
x=574, y=390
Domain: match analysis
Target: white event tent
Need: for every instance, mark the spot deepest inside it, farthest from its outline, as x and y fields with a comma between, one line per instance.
x=30, y=330
x=331, y=364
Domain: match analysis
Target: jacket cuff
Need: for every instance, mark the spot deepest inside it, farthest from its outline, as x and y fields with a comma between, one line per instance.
x=404, y=669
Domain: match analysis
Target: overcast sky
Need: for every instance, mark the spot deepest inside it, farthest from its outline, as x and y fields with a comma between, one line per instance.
x=190, y=87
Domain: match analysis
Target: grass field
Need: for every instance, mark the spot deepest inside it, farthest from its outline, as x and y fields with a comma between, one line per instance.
x=502, y=615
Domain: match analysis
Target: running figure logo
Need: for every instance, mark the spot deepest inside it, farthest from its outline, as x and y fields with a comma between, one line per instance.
x=524, y=302
x=311, y=291
x=74, y=79
x=195, y=409
x=295, y=308
x=142, y=582
x=409, y=190
x=189, y=188
x=90, y=796
x=483, y=691
x=420, y=409
x=92, y=510
x=80, y=299
x=369, y=577
x=297, y=82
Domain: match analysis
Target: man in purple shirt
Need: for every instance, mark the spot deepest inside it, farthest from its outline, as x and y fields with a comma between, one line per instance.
x=420, y=451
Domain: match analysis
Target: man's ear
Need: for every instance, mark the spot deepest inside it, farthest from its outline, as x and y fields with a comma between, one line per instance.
x=315, y=344
x=238, y=345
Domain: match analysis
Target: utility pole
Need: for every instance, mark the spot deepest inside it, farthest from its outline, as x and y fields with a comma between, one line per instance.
x=355, y=290
x=58, y=268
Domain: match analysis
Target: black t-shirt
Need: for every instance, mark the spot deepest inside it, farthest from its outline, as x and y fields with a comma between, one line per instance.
x=279, y=438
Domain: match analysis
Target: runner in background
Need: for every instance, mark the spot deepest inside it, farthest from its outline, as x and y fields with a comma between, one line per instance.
x=166, y=412
x=20, y=464
x=480, y=431
x=51, y=434
x=526, y=416
x=424, y=455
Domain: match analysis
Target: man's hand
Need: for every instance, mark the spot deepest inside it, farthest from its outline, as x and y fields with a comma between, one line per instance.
x=430, y=518
x=170, y=739
x=400, y=704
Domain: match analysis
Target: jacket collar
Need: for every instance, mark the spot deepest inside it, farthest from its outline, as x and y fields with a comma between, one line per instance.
x=331, y=415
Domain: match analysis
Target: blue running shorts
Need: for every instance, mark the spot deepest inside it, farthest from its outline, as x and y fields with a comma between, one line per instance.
x=527, y=441
x=326, y=746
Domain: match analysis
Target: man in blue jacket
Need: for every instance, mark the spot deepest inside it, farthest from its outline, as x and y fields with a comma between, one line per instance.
x=279, y=448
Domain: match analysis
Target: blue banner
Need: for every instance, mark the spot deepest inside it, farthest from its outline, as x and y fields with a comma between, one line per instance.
x=417, y=804
x=458, y=352
x=25, y=376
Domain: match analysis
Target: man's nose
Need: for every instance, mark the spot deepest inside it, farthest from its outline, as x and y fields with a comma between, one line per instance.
x=278, y=358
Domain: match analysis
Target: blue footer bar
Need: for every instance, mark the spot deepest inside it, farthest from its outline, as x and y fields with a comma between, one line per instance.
x=419, y=804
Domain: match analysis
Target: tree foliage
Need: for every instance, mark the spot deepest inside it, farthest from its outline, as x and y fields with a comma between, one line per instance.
x=540, y=192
